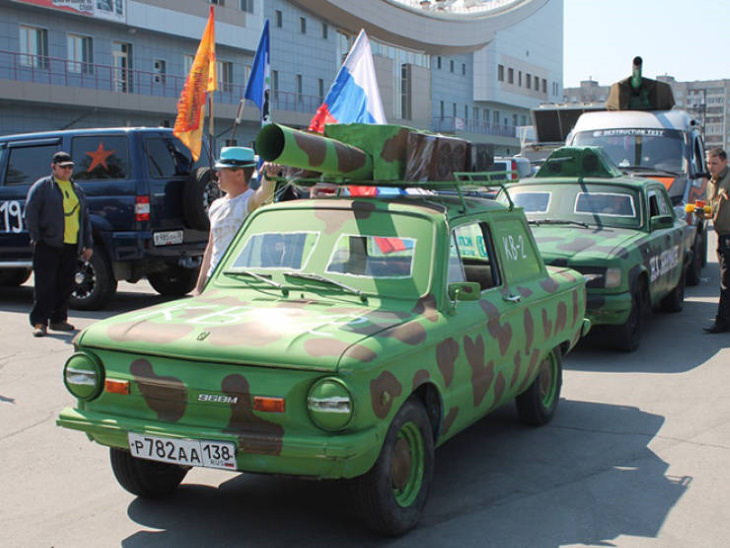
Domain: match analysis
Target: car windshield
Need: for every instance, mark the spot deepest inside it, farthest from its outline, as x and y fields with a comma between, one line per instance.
x=655, y=149
x=579, y=204
x=386, y=254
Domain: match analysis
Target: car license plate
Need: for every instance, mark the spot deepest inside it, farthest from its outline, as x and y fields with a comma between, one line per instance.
x=211, y=454
x=168, y=238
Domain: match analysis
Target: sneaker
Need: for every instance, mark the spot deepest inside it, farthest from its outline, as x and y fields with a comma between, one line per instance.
x=39, y=330
x=62, y=326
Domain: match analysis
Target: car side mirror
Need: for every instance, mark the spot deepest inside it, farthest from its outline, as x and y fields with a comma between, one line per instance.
x=464, y=291
x=661, y=222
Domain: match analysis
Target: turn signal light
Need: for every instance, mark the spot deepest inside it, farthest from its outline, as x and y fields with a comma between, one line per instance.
x=270, y=405
x=116, y=387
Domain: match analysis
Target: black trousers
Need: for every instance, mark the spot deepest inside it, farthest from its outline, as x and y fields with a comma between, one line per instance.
x=723, y=257
x=53, y=271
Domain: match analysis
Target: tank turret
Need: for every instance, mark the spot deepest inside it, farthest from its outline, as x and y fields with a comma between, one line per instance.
x=639, y=93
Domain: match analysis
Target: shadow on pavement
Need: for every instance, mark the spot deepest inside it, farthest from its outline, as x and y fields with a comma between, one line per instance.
x=588, y=477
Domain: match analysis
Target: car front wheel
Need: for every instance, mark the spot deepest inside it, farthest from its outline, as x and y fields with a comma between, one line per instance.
x=393, y=493
x=145, y=478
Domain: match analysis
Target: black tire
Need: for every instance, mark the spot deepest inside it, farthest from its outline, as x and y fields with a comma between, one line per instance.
x=674, y=302
x=14, y=277
x=536, y=405
x=94, y=282
x=627, y=336
x=200, y=191
x=693, y=274
x=392, y=494
x=174, y=281
x=145, y=478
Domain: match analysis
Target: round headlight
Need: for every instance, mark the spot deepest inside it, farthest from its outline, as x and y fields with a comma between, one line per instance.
x=330, y=404
x=83, y=376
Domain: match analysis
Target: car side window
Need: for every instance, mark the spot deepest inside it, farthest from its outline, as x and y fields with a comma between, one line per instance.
x=472, y=247
x=653, y=204
x=28, y=164
x=101, y=157
x=164, y=159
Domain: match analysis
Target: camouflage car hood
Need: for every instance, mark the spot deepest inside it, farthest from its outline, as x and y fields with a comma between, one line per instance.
x=567, y=245
x=222, y=328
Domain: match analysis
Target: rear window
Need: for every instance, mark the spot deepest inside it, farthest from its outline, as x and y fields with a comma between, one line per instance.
x=101, y=157
x=28, y=164
x=166, y=157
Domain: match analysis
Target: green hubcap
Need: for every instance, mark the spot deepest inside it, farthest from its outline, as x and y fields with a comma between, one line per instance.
x=407, y=464
x=548, y=381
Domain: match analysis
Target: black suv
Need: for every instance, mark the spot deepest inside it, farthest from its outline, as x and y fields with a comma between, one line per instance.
x=148, y=203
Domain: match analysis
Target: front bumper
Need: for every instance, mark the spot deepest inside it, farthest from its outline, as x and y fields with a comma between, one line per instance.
x=608, y=309
x=328, y=456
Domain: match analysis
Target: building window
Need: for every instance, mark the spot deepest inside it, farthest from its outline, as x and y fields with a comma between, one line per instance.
x=476, y=113
x=218, y=2
x=495, y=117
x=528, y=80
x=122, y=59
x=278, y=18
x=466, y=112
x=451, y=65
x=463, y=68
x=300, y=87
x=34, y=46
x=225, y=75
x=510, y=76
x=325, y=31
x=514, y=119
x=442, y=112
x=302, y=25
x=486, y=115
x=453, y=110
x=438, y=62
x=544, y=86
x=519, y=78
x=500, y=73
x=160, y=69
x=537, y=83
x=187, y=63
x=320, y=89
x=247, y=6
x=80, y=54
x=405, y=92
x=275, y=82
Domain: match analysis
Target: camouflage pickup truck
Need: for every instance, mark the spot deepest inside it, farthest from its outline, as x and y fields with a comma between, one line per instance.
x=340, y=337
x=621, y=232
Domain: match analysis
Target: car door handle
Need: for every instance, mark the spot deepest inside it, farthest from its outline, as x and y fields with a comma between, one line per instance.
x=512, y=298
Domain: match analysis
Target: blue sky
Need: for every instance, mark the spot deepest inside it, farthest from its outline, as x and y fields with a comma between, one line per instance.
x=689, y=40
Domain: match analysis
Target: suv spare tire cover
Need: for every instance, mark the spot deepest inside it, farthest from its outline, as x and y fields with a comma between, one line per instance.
x=200, y=191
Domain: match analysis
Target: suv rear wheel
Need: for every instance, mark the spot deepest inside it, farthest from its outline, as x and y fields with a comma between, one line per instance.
x=94, y=282
x=173, y=281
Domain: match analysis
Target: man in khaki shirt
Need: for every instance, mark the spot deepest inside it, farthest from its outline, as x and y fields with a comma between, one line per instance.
x=718, y=194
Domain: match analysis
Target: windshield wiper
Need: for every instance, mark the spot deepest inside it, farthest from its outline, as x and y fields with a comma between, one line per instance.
x=245, y=272
x=538, y=222
x=322, y=279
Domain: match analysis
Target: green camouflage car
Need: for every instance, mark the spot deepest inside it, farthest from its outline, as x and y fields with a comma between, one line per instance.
x=340, y=337
x=622, y=233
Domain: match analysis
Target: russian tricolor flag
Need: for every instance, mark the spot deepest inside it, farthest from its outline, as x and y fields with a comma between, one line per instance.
x=354, y=95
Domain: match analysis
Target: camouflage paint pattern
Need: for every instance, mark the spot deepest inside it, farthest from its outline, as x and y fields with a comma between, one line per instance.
x=243, y=338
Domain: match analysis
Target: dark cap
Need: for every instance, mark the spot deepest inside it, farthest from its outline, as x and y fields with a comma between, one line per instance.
x=62, y=159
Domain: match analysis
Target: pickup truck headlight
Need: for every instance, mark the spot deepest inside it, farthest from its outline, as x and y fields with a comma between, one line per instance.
x=613, y=277
x=330, y=404
x=83, y=376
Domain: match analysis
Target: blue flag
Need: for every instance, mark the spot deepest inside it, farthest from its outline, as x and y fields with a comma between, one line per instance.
x=258, y=87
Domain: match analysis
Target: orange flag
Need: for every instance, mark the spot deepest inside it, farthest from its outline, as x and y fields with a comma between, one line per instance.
x=201, y=80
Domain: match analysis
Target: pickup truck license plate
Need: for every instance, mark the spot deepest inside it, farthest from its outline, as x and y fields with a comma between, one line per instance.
x=168, y=238
x=211, y=454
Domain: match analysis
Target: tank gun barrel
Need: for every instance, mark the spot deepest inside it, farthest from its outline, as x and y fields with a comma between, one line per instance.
x=312, y=152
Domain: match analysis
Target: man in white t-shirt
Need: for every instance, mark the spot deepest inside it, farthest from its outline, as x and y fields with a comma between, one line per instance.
x=235, y=168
